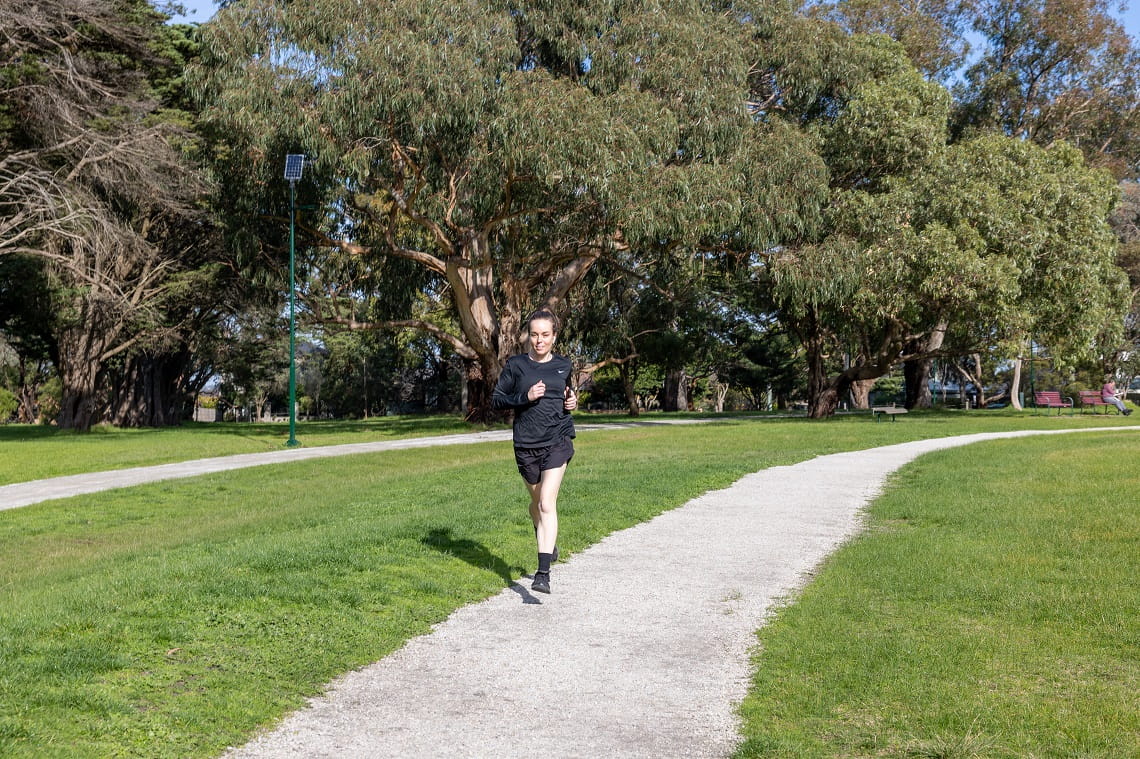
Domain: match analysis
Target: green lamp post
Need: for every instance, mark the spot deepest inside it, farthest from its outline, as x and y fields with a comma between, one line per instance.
x=294, y=165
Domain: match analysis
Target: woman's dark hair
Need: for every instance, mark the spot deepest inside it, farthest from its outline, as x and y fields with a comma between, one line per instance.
x=544, y=315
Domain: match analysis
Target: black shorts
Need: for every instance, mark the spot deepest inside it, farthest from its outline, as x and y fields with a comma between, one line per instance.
x=534, y=461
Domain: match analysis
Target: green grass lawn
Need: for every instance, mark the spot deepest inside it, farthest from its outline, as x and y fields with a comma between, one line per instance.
x=173, y=619
x=990, y=610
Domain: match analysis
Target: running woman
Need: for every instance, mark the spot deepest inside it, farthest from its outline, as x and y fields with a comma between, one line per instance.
x=537, y=385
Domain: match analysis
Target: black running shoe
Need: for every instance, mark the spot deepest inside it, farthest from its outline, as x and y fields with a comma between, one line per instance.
x=541, y=582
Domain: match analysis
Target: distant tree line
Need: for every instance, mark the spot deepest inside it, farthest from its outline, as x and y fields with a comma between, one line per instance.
x=733, y=204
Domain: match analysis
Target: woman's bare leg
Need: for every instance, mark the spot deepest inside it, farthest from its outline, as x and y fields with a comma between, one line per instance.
x=544, y=507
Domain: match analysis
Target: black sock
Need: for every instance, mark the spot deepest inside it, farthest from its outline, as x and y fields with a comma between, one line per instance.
x=544, y=562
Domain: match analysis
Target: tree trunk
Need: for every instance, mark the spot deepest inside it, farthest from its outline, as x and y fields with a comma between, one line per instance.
x=472, y=278
x=916, y=372
x=627, y=387
x=151, y=391
x=823, y=397
x=493, y=332
x=479, y=391
x=974, y=378
x=29, y=389
x=826, y=401
x=826, y=393
x=861, y=393
x=442, y=402
x=675, y=395
x=1015, y=386
x=26, y=410
x=721, y=393
x=916, y=375
x=79, y=404
x=79, y=367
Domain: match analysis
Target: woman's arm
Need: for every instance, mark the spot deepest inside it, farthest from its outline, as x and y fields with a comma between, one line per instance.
x=507, y=393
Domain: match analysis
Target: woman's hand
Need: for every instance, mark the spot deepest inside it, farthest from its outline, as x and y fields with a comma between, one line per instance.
x=570, y=401
x=537, y=390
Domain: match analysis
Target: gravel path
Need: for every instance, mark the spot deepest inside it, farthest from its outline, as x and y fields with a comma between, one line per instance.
x=642, y=650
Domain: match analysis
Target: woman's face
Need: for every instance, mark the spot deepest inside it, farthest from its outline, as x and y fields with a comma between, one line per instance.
x=542, y=338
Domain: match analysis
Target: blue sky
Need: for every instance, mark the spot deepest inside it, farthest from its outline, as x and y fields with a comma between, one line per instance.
x=196, y=10
x=202, y=10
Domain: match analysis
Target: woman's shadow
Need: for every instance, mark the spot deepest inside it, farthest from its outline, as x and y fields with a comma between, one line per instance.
x=477, y=555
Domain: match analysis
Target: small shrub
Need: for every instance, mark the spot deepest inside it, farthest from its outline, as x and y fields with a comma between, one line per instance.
x=8, y=405
x=50, y=400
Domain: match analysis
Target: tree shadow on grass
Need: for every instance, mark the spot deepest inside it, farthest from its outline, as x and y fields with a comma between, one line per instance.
x=477, y=555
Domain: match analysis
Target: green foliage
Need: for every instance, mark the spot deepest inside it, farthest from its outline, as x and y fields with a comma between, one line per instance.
x=889, y=385
x=469, y=161
x=255, y=360
x=893, y=123
x=8, y=405
x=1039, y=215
x=97, y=190
x=1038, y=62
x=49, y=399
x=504, y=150
x=1034, y=70
x=608, y=393
x=25, y=301
x=981, y=242
x=769, y=364
x=931, y=32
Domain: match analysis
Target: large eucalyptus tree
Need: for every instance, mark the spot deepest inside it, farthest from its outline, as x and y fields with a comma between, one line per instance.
x=1126, y=222
x=1042, y=70
x=1000, y=239
x=929, y=248
x=876, y=122
x=505, y=148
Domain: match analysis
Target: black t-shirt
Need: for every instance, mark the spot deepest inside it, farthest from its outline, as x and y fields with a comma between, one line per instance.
x=540, y=423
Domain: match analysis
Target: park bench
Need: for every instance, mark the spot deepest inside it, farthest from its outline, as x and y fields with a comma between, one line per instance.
x=1092, y=399
x=1048, y=399
x=877, y=412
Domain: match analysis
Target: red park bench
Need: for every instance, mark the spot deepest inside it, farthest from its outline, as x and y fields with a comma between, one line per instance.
x=1048, y=399
x=1092, y=399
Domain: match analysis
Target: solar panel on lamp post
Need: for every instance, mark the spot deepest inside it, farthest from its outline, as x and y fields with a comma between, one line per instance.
x=294, y=166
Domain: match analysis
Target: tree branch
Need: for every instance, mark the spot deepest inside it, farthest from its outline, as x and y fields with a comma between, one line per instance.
x=425, y=259
x=461, y=348
x=406, y=201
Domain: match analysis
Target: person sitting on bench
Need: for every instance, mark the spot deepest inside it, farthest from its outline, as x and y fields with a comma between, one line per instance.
x=1108, y=395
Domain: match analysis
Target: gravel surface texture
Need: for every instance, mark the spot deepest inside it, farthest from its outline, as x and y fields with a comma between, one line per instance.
x=642, y=649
